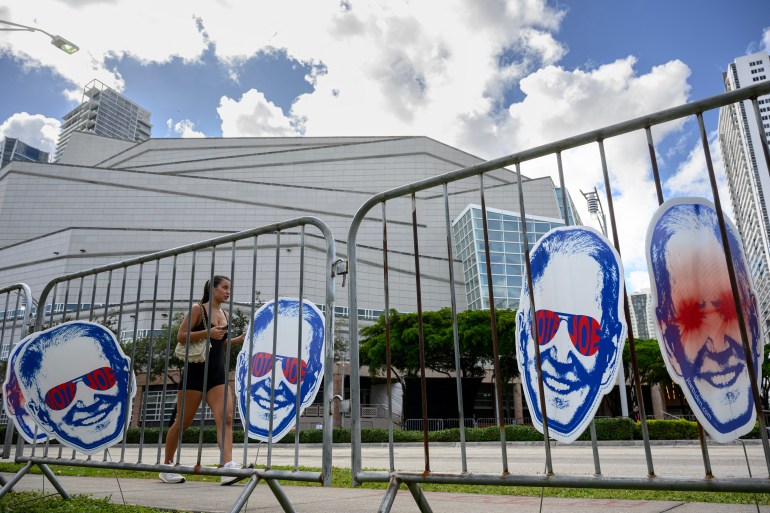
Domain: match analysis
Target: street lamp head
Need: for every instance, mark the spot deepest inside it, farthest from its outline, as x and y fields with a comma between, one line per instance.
x=58, y=41
x=64, y=45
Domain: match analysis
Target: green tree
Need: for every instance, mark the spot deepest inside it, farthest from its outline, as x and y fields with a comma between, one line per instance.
x=652, y=368
x=474, y=337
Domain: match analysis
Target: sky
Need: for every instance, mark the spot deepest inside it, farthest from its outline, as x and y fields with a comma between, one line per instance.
x=490, y=77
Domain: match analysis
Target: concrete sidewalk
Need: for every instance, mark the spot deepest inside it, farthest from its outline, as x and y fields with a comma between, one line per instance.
x=210, y=497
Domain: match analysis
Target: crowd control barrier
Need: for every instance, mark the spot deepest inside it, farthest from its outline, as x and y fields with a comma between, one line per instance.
x=143, y=300
x=14, y=325
x=491, y=185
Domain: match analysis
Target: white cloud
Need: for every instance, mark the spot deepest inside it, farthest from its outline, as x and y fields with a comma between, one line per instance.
x=691, y=176
x=253, y=116
x=33, y=129
x=184, y=128
x=766, y=39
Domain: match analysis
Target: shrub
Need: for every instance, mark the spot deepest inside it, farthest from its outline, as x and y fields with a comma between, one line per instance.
x=672, y=430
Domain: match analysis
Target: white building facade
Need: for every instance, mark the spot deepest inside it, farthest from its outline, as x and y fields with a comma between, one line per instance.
x=748, y=177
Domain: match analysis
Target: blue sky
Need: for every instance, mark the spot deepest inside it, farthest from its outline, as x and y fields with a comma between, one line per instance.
x=488, y=76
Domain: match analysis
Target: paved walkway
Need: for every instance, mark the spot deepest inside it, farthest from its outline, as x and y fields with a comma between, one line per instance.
x=210, y=497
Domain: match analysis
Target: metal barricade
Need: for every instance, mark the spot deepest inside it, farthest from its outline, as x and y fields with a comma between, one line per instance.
x=14, y=325
x=145, y=298
x=388, y=212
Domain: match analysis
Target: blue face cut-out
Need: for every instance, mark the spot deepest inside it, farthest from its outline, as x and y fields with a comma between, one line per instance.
x=577, y=279
x=697, y=321
x=15, y=404
x=255, y=366
x=76, y=379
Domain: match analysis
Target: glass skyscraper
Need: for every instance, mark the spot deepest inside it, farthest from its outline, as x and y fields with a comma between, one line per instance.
x=506, y=253
x=14, y=149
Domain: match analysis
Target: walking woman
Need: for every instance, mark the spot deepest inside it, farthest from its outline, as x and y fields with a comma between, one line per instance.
x=195, y=323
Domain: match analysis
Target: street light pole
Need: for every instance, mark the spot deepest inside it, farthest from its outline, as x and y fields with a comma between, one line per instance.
x=596, y=210
x=58, y=41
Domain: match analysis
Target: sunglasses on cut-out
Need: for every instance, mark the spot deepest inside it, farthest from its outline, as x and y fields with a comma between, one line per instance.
x=584, y=330
x=61, y=396
x=262, y=364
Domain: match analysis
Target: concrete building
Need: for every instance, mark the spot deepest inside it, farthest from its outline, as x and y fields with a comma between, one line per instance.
x=108, y=200
x=748, y=178
x=105, y=112
x=15, y=149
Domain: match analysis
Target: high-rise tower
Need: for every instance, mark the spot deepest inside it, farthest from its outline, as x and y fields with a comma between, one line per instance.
x=748, y=178
x=105, y=112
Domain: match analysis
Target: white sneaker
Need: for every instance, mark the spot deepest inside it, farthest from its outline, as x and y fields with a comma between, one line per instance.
x=228, y=480
x=171, y=477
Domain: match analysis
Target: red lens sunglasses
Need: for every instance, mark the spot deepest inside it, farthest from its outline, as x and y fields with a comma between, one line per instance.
x=262, y=363
x=61, y=396
x=584, y=331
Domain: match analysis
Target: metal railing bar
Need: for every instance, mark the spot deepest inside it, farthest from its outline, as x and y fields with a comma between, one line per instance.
x=131, y=383
x=169, y=343
x=209, y=323
x=150, y=357
x=250, y=331
x=228, y=347
x=627, y=312
x=388, y=369
x=455, y=332
x=493, y=322
x=299, y=348
x=275, y=350
x=747, y=351
x=533, y=324
x=421, y=337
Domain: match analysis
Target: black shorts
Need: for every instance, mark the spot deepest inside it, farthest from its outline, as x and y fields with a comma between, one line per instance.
x=216, y=374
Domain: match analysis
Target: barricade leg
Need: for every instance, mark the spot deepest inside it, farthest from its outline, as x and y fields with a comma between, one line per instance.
x=244, y=497
x=283, y=500
x=7, y=487
x=419, y=498
x=390, y=495
x=55, y=482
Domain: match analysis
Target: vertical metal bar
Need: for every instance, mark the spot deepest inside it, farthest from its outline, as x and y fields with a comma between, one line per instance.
x=228, y=347
x=180, y=413
x=107, y=298
x=326, y=451
x=704, y=452
x=150, y=358
x=299, y=346
x=533, y=323
x=455, y=334
x=166, y=359
x=495, y=340
x=631, y=342
x=421, y=334
x=93, y=299
x=762, y=134
x=133, y=356
x=654, y=163
x=66, y=300
x=565, y=212
x=748, y=353
x=80, y=299
x=275, y=349
x=592, y=426
x=206, y=363
x=388, y=369
x=5, y=317
x=250, y=331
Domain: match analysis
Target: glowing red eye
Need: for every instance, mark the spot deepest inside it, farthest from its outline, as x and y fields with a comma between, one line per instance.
x=689, y=315
x=726, y=307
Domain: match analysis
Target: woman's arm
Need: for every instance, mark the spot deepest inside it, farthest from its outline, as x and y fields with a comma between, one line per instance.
x=187, y=323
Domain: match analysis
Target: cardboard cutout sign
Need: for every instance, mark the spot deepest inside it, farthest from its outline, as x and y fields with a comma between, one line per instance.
x=254, y=369
x=15, y=404
x=577, y=278
x=697, y=321
x=75, y=379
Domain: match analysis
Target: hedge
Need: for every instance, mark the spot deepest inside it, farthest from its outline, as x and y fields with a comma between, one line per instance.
x=618, y=428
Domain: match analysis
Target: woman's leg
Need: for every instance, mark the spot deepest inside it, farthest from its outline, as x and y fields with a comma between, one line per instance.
x=191, y=403
x=216, y=401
